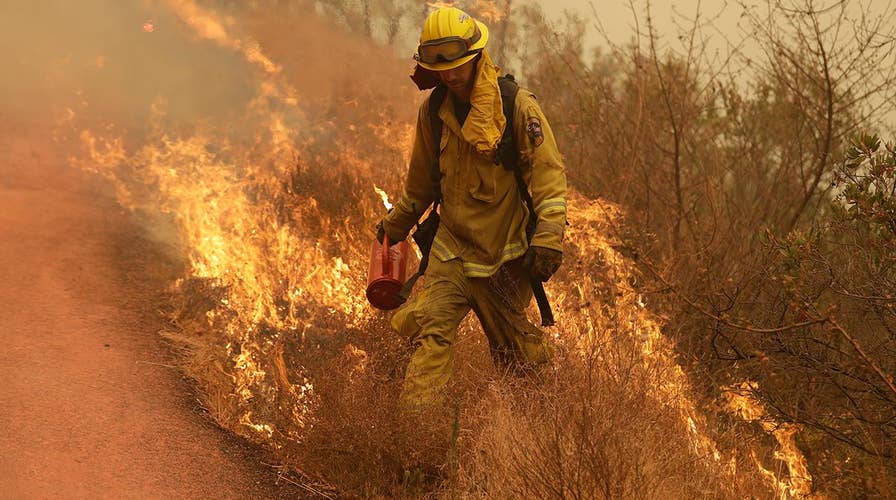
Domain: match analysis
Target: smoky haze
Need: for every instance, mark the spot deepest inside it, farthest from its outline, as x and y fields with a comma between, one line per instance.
x=62, y=54
x=95, y=56
x=115, y=60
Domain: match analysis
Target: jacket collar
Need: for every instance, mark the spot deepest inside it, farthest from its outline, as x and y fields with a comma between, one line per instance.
x=485, y=124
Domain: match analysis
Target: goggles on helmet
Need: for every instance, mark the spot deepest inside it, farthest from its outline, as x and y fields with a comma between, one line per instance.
x=447, y=49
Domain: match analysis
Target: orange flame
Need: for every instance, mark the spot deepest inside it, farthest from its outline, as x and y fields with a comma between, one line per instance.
x=268, y=268
x=799, y=481
x=209, y=25
x=594, y=219
x=489, y=11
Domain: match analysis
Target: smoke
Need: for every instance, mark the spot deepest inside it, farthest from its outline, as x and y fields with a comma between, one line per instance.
x=153, y=68
x=95, y=57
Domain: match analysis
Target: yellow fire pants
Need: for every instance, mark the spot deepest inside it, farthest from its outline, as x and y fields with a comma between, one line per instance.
x=431, y=319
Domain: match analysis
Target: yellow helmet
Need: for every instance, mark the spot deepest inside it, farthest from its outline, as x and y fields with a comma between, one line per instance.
x=450, y=38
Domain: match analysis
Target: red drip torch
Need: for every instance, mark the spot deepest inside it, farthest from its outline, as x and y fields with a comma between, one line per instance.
x=387, y=274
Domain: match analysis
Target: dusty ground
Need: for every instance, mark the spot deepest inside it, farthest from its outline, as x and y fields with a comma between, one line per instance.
x=90, y=403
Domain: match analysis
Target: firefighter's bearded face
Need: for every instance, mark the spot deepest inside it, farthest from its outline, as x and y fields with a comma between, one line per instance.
x=460, y=80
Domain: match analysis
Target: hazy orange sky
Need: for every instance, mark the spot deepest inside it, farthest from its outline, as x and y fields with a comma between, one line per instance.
x=728, y=24
x=59, y=44
x=617, y=18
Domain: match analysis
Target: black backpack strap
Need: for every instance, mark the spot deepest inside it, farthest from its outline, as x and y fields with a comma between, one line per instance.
x=508, y=156
x=436, y=98
x=426, y=230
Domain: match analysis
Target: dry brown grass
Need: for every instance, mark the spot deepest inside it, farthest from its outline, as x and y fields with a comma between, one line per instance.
x=284, y=354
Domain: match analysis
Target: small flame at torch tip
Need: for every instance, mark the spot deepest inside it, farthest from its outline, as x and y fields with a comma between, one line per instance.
x=384, y=196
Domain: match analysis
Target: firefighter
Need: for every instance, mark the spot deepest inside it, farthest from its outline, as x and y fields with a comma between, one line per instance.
x=481, y=256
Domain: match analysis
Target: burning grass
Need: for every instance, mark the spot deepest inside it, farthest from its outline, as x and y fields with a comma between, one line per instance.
x=275, y=225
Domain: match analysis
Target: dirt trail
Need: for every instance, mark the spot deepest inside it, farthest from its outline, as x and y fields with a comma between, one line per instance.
x=89, y=403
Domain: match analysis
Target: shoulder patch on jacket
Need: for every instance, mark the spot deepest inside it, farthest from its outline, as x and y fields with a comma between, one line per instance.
x=534, y=131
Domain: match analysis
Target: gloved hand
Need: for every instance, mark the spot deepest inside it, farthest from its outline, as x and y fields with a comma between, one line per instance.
x=542, y=262
x=381, y=233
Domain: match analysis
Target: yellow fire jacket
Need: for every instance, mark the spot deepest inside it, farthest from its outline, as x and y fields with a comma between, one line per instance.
x=483, y=216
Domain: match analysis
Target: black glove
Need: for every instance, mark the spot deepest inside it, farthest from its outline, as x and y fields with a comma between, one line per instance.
x=542, y=262
x=381, y=233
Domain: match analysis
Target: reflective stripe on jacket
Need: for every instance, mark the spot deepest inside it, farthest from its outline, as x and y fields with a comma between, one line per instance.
x=483, y=217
